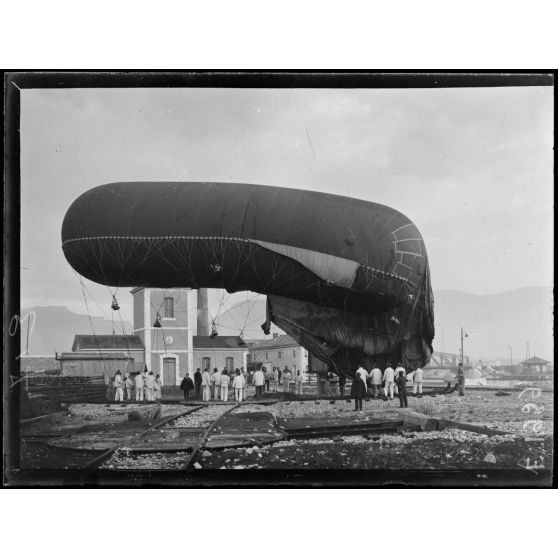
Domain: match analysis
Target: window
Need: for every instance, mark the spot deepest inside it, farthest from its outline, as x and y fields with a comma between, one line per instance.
x=266, y=357
x=279, y=354
x=294, y=353
x=229, y=363
x=206, y=364
x=169, y=307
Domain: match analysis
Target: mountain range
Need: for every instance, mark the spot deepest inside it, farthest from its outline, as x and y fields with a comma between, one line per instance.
x=492, y=323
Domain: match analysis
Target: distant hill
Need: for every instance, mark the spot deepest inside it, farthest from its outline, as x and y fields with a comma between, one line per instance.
x=496, y=322
x=493, y=323
x=55, y=327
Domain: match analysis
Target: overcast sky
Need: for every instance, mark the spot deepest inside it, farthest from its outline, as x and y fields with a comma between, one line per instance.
x=472, y=168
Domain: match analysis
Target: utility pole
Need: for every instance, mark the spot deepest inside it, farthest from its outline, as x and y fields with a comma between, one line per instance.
x=463, y=334
x=511, y=355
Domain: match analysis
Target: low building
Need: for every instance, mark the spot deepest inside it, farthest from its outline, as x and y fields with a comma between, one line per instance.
x=223, y=351
x=534, y=366
x=95, y=355
x=280, y=351
x=95, y=364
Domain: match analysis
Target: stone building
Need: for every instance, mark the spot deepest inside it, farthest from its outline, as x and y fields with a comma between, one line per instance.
x=280, y=351
x=229, y=351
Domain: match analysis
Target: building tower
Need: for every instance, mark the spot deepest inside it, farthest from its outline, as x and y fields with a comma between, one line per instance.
x=168, y=348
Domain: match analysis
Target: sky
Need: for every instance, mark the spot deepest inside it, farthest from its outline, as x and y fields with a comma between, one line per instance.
x=472, y=168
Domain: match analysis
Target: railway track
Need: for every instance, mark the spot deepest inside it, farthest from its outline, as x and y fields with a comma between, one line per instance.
x=148, y=456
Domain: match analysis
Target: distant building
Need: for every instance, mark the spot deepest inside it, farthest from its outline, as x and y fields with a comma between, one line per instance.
x=223, y=351
x=534, y=366
x=280, y=351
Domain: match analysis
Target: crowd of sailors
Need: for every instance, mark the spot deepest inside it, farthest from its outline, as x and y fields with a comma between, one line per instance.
x=219, y=385
x=216, y=385
x=386, y=383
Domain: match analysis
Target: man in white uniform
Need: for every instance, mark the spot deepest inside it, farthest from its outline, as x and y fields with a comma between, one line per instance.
x=238, y=386
x=376, y=374
x=138, y=380
x=417, y=382
x=363, y=375
x=206, y=385
x=389, y=379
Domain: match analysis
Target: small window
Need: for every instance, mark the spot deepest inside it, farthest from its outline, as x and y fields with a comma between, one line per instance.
x=279, y=355
x=206, y=364
x=294, y=353
x=169, y=307
x=266, y=357
x=229, y=363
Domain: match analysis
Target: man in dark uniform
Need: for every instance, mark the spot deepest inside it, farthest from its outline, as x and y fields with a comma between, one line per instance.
x=197, y=381
x=358, y=391
x=401, y=382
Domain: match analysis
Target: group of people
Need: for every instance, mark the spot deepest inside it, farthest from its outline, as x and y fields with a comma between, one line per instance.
x=217, y=384
x=390, y=381
x=384, y=384
x=144, y=386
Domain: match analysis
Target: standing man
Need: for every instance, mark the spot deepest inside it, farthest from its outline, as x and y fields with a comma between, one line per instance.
x=298, y=382
x=108, y=386
x=258, y=381
x=128, y=387
x=197, y=381
x=389, y=379
x=244, y=375
x=138, y=380
x=286, y=379
x=363, y=376
x=186, y=385
x=238, y=386
x=376, y=374
x=225, y=381
x=150, y=387
x=358, y=391
x=402, y=392
x=118, y=393
x=275, y=379
x=417, y=382
x=268, y=375
x=206, y=385
x=461, y=379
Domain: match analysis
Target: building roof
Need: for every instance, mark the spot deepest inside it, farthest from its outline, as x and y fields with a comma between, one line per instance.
x=93, y=356
x=103, y=342
x=275, y=343
x=219, y=342
x=534, y=360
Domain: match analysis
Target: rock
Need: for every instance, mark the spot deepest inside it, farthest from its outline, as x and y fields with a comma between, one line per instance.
x=248, y=451
x=259, y=455
x=197, y=465
x=206, y=454
x=239, y=467
x=489, y=458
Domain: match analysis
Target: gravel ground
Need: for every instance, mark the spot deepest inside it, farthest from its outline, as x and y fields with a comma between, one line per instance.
x=146, y=461
x=203, y=417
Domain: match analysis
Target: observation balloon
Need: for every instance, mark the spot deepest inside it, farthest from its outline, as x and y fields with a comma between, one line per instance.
x=348, y=279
